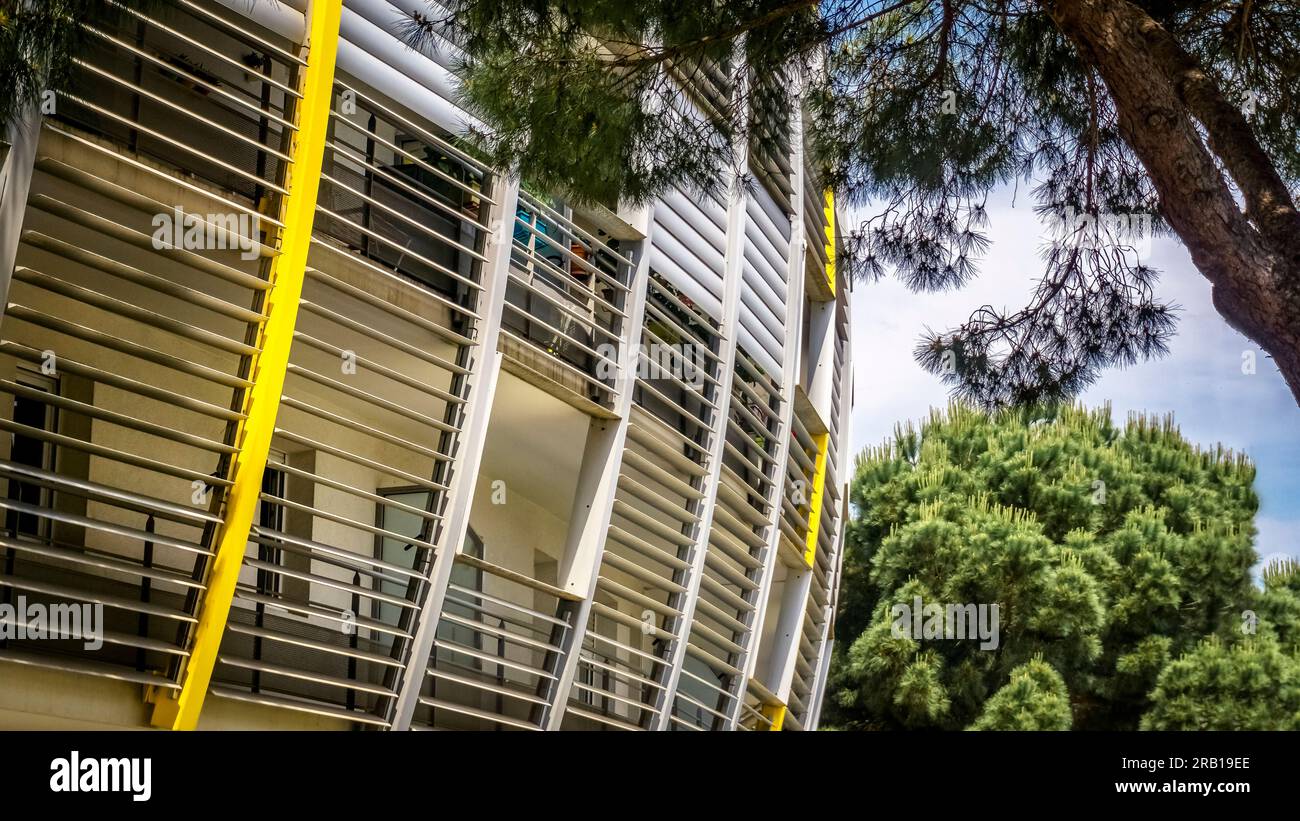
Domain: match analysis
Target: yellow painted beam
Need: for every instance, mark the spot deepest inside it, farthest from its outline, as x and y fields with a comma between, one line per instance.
x=829, y=196
x=262, y=401
x=776, y=714
x=818, y=497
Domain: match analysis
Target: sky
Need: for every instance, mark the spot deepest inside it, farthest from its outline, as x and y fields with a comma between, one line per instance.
x=1200, y=380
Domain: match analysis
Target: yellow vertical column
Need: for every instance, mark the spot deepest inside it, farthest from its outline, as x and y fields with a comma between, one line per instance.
x=817, y=499
x=774, y=713
x=829, y=197
x=262, y=401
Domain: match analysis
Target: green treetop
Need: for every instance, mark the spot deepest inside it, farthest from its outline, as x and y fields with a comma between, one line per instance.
x=1119, y=558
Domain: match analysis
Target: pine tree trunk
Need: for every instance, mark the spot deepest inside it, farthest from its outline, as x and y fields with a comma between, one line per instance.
x=1252, y=259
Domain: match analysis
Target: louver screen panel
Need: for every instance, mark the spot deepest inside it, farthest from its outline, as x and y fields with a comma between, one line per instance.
x=765, y=291
x=371, y=49
x=133, y=345
x=688, y=244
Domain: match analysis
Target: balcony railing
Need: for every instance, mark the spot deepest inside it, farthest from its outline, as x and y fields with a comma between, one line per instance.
x=642, y=579
x=496, y=659
x=194, y=91
x=403, y=197
x=770, y=135
x=567, y=296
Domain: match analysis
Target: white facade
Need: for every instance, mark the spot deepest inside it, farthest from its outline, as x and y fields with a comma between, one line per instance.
x=484, y=505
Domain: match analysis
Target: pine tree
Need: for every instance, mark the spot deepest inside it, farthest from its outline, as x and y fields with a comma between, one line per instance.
x=1034, y=699
x=1248, y=681
x=920, y=108
x=38, y=42
x=1111, y=552
x=1247, y=685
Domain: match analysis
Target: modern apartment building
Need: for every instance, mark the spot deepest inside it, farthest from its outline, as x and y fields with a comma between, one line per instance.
x=334, y=427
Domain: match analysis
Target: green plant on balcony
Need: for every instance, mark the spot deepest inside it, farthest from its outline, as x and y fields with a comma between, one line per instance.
x=663, y=331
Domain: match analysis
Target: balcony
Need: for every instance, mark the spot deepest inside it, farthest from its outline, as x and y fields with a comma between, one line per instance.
x=506, y=623
x=566, y=302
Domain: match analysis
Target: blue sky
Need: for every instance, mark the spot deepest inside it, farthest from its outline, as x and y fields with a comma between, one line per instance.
x=1200, y=381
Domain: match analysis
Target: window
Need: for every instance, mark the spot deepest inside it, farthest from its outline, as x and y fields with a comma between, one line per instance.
x=270, y=516
x=461, y=604
x=696, y=689
x=399, y=519
x=34, y=452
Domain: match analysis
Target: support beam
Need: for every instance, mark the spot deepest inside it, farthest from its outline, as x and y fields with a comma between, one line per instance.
x=817, y=498
x=821, y=670
x=269, y=365
x=789, y=629
x=481, y=382
x=593, y=503
x=822, y=665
